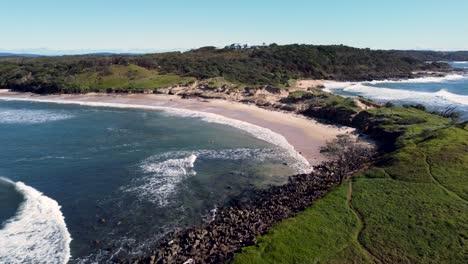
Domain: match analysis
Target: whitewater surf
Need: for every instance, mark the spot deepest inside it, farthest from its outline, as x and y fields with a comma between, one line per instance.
x=436, y=93
x=123, y=175
x=37, y=233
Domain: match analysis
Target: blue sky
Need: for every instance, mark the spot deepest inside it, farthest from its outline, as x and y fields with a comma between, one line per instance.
x=143, y=25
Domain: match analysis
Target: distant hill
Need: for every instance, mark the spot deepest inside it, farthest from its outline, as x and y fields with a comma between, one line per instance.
x=2, y=54
x=239, y=64
x=430, y=55
x=109, y=54
x=30, y=55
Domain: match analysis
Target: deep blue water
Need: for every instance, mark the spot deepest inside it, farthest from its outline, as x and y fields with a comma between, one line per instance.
x=435, y=93
x=121, y=176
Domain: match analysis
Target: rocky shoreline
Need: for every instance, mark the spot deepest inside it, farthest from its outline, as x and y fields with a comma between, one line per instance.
x=244, y=219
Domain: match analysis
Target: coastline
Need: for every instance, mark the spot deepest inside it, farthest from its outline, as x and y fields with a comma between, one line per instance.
x=305, y=135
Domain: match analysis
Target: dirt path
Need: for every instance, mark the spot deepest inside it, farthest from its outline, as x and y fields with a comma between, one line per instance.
x=361, y=224
x=449, y=192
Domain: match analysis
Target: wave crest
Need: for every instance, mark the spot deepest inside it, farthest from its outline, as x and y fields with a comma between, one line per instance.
x=167, y=170
x=37, y=233
x=164, y=177
x=380, y=93
x=429, y=79
x=22, y=116
x=254, y=130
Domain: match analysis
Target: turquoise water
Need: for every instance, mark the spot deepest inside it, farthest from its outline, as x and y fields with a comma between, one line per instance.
x=115, y=179
x=435, y=93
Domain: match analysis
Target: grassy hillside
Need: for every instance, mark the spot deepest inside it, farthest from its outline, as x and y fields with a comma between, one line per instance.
x=128, y=77
x=261, y=65
x=409, y=208
x=111, y=78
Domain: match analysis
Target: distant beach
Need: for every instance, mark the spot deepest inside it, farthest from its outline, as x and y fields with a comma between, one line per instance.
x=307, y=136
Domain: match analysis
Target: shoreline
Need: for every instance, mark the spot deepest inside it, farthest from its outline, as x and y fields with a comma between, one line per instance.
x=306, y=136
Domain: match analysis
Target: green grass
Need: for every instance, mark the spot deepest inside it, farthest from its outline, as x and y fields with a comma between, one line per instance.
x=325, y=231
x=299, y=95
x=447, y=156
x=410, y=222
x=410, y=121
x=219, y=82
x=319, y=98
x=129, y=77
x=412, y=208
x=161, y=81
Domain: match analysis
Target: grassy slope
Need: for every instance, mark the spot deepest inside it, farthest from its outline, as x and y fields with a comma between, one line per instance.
x=126, y=77
x=319, y=98
x=410, y=209
x=300, y=240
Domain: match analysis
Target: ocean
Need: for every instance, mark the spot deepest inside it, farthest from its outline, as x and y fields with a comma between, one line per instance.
x=436, y=93
x=87, y=183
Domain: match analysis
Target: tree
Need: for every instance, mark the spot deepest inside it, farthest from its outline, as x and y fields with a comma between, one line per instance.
x=347, y=154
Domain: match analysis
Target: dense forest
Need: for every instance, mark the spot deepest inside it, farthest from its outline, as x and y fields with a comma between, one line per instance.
x=257, y=65
x=435, y=55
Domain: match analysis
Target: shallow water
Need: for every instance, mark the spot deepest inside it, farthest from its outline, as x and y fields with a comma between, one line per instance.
x=118, y=178
x=436, y=93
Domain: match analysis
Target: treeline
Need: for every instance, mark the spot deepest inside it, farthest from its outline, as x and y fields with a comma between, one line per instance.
x=258, y=65
x=435, y=55
x=275, y=64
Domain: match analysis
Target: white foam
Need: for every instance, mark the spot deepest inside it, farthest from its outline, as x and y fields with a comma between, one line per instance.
x=460, y=99
x=259, y=155
x=429, y=79
x=256, y=131
x=333, y=85
x=22, y=116
x=380, y=93
x=163, y=178
x=167, y=170
x=37, y=233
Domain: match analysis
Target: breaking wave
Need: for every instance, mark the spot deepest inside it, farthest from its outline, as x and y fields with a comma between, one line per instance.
x=429, y=79
x=457, y=98
x=256, y=131
x=167, y=170
x=380, y=93
x=37, y=233
x=163, y=177
x=22, y=116
x=366, y=89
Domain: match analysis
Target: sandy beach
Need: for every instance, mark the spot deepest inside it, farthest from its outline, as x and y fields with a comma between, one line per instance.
x=307, y=136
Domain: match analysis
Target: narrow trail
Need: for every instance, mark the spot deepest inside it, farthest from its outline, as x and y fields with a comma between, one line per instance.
x=361, y=224
x=449, y=192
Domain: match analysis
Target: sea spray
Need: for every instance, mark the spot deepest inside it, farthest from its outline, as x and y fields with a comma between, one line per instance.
x=163, y=178
x=37, y=233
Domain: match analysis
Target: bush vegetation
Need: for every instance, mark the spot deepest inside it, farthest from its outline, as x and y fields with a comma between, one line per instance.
x=259, y=65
